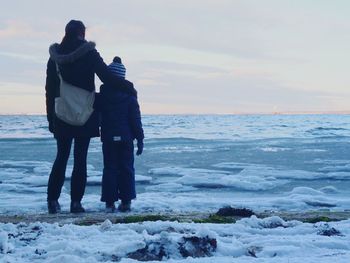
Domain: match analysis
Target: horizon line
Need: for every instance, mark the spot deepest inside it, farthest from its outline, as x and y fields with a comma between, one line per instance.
x=342, y=112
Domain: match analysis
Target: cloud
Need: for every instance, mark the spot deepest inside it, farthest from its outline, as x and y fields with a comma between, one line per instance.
x=23, y=56
x=18, y=29
x=149, y=82
x=200, y=89
x=21, y=89
x=21, y=98
x=269, y=30
x=26, y=68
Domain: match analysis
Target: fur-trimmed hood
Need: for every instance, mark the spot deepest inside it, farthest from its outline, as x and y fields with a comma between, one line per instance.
x=71, y=57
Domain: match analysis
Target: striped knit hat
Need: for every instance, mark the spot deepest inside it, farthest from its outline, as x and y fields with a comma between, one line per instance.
x=117, y=67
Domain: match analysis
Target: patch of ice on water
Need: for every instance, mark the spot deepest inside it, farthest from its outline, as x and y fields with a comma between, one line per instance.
x=43, y=169
x=304, y=198
x=345, y=167
x=281, y=173
x=338, y=175
x=328, y=161
x=21, y=174
x=170, y=187
x=251, y=183
x=12, y=173
x=254, y=180
x=252, y=177
x=142, y=178
x=235, y=165
x=94, y=180
x=21, y=164
x=306, y=191
x=274, y=149
x=31, y=180
x=329, y=190
x=173, y=170
x=186, y=149
x=313, y=150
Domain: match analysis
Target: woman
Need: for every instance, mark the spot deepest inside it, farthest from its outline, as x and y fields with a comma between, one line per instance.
x=78, y=61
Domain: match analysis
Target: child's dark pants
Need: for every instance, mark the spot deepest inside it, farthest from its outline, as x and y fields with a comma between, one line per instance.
x=118, y=181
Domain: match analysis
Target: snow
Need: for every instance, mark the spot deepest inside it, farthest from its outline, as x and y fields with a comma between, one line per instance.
x=270, y=240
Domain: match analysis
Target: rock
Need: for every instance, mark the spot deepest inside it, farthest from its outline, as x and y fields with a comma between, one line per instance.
x=329, y=232
x=190, y=246
x=196, y=247
x=40, y=251
x=253, y=250
x=157, y=252
x=231, y=211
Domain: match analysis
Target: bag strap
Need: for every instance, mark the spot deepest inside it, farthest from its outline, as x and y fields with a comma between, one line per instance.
x=58, y=72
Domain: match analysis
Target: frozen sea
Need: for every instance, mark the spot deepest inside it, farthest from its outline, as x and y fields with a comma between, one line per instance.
x=196, y=163
x=191, y=163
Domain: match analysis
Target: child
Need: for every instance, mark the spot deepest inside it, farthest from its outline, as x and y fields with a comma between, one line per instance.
x=120, y=125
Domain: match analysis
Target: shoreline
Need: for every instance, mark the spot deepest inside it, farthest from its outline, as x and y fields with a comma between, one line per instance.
x=92, y=218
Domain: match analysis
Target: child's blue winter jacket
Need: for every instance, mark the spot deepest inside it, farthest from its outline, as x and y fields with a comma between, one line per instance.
x=120, y=115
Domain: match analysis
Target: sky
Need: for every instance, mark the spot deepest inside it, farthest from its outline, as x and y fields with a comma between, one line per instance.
x=190, y=56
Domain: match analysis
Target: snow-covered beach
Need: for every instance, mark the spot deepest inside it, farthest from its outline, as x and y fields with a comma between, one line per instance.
x=195, y=163
x=248, y=240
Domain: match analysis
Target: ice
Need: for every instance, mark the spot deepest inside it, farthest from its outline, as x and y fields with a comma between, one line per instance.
x=185, y=149
x=304, y=198
x=336, y=168
x=3, y=242
x=331, y=162
x=24, y=164
x=313, y=151
x=306, y=191
x=273, y=149
x=170, y=187
x=205, y=178
x=278, y=172
x=143, y=178
x=94, y=180
x=32, y=180
x=329, y=190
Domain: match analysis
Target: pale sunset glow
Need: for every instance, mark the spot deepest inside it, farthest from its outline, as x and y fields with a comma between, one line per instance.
x=198, y=56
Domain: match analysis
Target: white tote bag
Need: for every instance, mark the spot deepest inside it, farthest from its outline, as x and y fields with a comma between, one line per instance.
x=74, y=105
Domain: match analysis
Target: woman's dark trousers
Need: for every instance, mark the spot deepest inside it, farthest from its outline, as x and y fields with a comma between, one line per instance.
x=118, y=180
x=79, y=174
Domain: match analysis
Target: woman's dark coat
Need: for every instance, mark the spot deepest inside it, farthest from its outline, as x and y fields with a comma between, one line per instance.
x=78, y=62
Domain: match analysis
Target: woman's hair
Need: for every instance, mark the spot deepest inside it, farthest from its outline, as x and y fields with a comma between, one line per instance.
x=74, y=30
